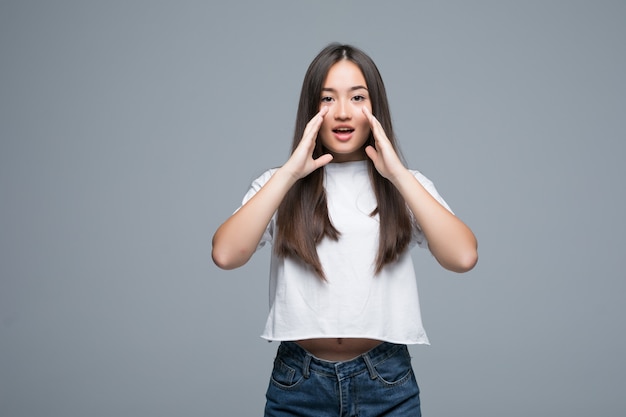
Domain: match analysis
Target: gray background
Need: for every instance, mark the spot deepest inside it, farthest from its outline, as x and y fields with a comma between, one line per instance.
x=130, y=130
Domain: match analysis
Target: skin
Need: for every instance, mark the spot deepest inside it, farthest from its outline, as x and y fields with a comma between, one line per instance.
x=344, y=102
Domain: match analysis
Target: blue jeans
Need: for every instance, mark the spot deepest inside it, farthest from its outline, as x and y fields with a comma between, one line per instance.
x=380, y=382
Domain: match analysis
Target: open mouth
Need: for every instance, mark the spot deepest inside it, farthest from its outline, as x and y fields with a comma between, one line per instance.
x=343, y=134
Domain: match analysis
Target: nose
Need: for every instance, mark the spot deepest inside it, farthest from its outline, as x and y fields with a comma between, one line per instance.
x=343, y=110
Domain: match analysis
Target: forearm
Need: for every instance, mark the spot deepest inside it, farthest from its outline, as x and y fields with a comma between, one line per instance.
x=236, y=240
x=451, y=242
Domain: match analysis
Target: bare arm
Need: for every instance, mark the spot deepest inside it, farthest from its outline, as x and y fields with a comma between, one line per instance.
x=237, y=238
x=450, y=241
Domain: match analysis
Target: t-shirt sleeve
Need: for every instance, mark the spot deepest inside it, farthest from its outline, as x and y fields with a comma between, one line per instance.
x=256, y=185
x=418, y=235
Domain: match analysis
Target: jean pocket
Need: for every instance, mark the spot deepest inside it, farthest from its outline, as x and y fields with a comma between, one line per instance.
x=284, y=376
x=395, y=370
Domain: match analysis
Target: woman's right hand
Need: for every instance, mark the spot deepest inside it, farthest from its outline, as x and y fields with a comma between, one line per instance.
x=237, y=238
x=301, y=162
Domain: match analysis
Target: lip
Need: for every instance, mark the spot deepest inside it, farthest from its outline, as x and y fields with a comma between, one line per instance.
x=343, y=136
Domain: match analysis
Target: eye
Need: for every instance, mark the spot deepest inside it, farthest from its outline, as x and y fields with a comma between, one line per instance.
x=326, y=99
x=358, y=98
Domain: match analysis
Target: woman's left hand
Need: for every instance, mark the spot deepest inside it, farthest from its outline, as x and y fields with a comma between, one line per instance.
x=451, y=242
x=385, y=158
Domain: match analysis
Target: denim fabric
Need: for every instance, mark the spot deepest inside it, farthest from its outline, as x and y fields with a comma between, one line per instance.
x=380, y=382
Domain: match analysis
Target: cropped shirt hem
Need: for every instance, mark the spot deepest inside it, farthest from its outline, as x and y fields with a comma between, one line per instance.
x=420, y=341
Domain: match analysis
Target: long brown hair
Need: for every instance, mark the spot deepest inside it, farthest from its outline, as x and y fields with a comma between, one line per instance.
x=302, y=218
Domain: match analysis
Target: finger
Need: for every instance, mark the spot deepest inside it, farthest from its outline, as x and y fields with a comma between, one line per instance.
x=371, y=153
x=323, y=160
x=315, y=123
x=311, y=127
x=319, y=116
x=377, y=128
x=369, y=116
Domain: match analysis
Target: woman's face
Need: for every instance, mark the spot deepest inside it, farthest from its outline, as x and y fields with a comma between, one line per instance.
x=345, y=128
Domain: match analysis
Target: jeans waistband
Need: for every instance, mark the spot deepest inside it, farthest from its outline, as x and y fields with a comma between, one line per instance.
x=364, y=362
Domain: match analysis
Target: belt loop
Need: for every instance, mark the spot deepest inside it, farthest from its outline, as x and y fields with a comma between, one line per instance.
x=370, y=367
x=306, y=366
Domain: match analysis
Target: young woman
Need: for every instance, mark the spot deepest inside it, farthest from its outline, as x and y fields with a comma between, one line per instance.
x=342, y=214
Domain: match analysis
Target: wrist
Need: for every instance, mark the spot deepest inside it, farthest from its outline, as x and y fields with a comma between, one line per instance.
x=287, y=175
x=400, y=177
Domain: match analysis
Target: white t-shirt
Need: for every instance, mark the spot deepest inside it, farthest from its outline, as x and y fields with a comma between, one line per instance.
x=352, y=302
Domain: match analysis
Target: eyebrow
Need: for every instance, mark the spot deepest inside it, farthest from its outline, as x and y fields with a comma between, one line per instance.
x=356, y=87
